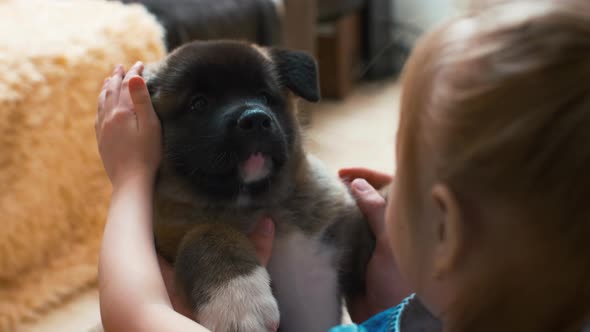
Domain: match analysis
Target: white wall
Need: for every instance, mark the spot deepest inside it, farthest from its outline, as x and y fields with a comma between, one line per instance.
x=425, y=13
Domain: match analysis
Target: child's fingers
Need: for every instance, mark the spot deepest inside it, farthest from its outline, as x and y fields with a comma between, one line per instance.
x=371, y=203
x=125, y=101
x=102, y=95
x=113, y=89
x=135, y=70
x=262, y=237
x=375, y=178
x=141, y=100
x=101, y=106
x=105, y=83
x=139, y=91
x=101, y=101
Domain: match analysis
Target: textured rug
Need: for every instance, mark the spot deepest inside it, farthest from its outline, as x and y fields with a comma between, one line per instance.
x=53, y=198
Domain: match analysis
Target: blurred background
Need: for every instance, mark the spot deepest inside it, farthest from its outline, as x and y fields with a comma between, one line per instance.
x=54, y=56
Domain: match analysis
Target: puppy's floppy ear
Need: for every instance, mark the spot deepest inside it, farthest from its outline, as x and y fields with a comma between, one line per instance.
x=298, y=71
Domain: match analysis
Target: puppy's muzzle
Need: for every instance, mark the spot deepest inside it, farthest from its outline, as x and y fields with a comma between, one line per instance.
x=256, y=130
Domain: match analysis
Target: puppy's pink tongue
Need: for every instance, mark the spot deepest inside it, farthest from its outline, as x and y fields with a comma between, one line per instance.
x=255, y=168
x=254, y=164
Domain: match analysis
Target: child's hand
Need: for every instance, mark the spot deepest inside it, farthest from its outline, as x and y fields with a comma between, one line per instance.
x=376, y=179
x=385, y=287
x=127, y=128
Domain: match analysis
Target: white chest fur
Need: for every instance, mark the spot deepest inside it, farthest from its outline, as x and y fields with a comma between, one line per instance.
x=305, y=283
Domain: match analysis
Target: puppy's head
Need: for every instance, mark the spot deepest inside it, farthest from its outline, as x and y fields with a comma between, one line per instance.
x=228, y=117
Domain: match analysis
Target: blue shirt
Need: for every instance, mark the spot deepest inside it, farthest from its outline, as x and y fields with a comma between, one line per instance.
x=410, y=315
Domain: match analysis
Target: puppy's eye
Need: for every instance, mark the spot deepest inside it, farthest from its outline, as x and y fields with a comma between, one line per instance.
x=199, y=103
x=265, y=97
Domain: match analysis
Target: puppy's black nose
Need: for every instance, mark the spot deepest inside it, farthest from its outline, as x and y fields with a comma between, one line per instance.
x=255, y=120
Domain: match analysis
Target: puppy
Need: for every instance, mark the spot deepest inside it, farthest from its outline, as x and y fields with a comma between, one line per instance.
x=233, y=154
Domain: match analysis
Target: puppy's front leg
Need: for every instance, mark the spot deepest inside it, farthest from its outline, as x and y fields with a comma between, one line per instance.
x=216, y=267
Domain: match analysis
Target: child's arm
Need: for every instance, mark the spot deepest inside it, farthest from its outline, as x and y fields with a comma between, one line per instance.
x=132, y=292
x=133, y=296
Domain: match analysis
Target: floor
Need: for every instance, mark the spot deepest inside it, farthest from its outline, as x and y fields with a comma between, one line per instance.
x=359, y=131
x=356, y=132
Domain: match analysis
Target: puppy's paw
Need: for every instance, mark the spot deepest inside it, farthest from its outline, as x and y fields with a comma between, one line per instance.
x=244, y=304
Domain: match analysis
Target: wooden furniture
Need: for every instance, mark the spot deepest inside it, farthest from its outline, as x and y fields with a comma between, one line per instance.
x=339, y=54
x=299, y=25
x=332, y=31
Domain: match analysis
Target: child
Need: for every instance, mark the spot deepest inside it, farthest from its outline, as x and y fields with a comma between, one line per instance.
x=488, y=219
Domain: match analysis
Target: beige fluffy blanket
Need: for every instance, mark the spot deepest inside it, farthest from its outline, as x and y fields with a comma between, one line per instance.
x=53, y=191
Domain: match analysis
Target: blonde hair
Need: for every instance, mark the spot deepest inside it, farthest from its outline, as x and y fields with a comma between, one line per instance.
x=500, y=98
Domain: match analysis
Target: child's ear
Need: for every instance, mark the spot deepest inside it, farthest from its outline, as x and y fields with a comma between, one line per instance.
x=450, y=230
x=298, y=71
